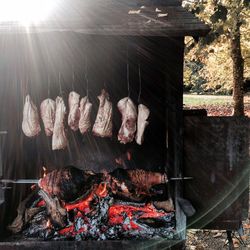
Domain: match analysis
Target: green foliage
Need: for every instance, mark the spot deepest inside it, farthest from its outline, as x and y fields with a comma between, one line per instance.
x=194, y=81
x=213, y=51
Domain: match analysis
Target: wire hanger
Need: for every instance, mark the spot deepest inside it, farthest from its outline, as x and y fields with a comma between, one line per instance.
x=23, y=89
x=27, y=85
x=86, y=77
x=48, y=79
x=128, y=84
x=73, y=78
x=140, y=84
x=48, y=86
x=60, y=85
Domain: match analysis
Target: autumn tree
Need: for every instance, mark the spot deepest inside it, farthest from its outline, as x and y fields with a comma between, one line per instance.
x=229, y=22
x=236, y=7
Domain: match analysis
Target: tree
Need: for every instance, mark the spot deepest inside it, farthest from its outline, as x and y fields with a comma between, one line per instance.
x=238, y=63
x=221, y=51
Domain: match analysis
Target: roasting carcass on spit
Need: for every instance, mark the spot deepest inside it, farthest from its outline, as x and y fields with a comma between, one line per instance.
x=30, y=125
x=129, y=115
x=48, y=112
x=85, y=110
x=142, y=123
x=59, y=139
x=74, y=111
x=70, y=183
x=103, y=124
x=135, y=185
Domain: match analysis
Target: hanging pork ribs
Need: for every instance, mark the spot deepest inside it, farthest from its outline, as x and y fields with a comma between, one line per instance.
x=30, y=125
x=48, y=112
x=59, y=139
x=129, y=115
x=85, y=111
x=74, y=111
x=142, y=123
x=103, y=124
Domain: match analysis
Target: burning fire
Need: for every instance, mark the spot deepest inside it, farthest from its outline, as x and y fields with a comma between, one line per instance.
x=48, y=224
x=121, y=159
x=129, y=156
x=98, y=214
x=44, y=171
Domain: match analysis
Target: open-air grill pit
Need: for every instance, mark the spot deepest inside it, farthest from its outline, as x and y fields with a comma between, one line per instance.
x=125, y=190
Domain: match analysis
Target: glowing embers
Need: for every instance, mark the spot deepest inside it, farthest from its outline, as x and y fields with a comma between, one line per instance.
x=98, y=216
x=101, y=212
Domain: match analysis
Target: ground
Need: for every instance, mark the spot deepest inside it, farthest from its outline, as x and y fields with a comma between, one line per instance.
x=215, y=105
x=207, y=239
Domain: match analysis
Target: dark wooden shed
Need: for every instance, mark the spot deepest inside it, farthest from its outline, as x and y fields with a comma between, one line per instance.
x=103, y=39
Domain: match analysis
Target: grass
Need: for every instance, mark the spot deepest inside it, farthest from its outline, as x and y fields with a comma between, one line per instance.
x=197, y=100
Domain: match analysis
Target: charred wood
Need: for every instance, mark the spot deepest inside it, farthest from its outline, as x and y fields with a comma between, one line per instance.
x=54, y=209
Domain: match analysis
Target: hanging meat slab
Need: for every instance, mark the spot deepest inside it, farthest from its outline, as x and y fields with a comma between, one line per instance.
x=48, y=112
x=30, y=125
x=59, y=139
x=74, y=111
x=129, y=116
x=85, y=110
x=103, y=124
x=142, y=123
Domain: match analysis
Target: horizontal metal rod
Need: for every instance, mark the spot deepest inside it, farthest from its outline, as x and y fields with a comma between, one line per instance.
x=35, y=181
x=20, y=181
x=180, y=178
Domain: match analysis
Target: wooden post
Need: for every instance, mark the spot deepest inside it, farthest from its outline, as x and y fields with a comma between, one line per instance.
x=174, y=82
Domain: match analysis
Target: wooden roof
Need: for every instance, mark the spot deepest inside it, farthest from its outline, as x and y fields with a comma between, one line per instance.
x=118, y=17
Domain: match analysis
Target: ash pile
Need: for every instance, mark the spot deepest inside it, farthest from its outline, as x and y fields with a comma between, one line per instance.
x=72, y=204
